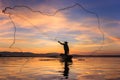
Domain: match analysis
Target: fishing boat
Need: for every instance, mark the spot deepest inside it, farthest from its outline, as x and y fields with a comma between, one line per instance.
x=64, y=57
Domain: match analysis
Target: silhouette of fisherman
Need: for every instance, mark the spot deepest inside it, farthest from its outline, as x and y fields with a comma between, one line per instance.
x=66, y=47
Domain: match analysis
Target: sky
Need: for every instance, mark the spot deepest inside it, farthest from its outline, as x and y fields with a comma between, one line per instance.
x=39, y=32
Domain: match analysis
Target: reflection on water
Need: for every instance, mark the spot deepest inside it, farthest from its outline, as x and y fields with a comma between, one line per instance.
x=66, y=68
x=54, y=69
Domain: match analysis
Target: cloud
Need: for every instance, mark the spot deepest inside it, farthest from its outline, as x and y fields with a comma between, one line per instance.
x=37, y=32
x=111, y=30
x=113, y=39
x=50, y=26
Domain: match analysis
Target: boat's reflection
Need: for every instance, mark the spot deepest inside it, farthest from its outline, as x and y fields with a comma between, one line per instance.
x=66, y=67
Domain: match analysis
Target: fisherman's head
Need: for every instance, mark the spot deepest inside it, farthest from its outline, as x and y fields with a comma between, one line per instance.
x=3, y=11
x=66, y=42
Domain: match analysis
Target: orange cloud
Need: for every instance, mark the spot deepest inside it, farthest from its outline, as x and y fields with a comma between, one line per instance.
x=43, y=28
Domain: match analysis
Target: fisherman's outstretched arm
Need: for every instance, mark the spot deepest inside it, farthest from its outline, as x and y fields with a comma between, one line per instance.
x=60, y=43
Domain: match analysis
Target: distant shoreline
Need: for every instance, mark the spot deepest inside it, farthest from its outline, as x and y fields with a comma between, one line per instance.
x=73, y=56
x=52, y=55
x=58, y=56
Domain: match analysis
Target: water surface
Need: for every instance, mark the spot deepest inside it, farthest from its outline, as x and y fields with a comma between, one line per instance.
x=21, y=68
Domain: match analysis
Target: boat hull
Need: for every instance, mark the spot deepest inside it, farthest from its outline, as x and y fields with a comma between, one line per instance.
x=64, y=57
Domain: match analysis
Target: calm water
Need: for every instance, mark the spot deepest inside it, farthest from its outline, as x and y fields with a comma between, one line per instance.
x=54, y=69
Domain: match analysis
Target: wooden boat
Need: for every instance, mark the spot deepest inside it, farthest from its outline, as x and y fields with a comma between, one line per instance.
x=64, y=57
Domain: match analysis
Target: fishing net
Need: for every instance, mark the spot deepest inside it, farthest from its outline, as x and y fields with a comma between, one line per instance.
x=74, y=23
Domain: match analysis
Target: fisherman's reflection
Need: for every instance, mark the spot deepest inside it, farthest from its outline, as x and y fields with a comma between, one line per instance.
x=66, y=69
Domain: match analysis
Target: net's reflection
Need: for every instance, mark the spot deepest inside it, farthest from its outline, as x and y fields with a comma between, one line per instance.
x=66, y=68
